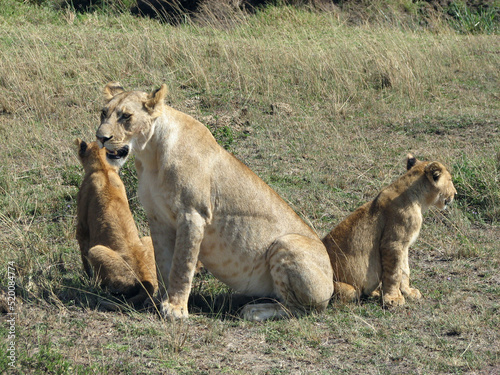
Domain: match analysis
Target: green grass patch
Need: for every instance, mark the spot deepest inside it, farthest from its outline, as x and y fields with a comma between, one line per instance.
x=466, y=20
x=477, y=182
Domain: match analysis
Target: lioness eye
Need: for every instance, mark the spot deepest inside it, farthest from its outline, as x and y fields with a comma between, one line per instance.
x=126, y=116
x=103, y=115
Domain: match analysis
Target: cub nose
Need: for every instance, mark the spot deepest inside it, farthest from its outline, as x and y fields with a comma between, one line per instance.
x=103, y=139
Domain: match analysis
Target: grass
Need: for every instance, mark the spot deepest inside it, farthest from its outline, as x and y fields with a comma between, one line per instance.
x=324, y=108
x=483, y=20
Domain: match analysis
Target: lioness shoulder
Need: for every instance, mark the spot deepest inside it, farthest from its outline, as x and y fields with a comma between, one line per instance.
x=370, y=247
x=109, y=242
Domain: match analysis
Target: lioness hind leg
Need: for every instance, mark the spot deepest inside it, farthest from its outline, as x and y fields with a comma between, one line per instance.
x=302, y=278
x=112, y=270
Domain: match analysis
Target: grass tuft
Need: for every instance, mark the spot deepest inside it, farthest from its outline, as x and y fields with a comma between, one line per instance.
x=466, y=20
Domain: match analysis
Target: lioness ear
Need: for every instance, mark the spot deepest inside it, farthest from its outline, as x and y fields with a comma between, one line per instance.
x=433, y=171
x=112, y=89
x=82, y=146
x=156, y=98
x=410, y=161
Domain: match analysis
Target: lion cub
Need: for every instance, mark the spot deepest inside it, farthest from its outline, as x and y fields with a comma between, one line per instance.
x=371, y=245
x=108, y=238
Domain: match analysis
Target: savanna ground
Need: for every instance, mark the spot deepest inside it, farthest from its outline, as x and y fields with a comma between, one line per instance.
x=324, y=105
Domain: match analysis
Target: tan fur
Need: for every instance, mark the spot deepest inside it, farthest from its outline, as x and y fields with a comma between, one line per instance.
x=109, y=241
x=370, y=247
x=204, y=204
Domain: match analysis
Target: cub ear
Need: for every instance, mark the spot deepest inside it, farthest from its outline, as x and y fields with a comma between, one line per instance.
x=156, y=98
x=433, y=171
x=112, y=89
x=82, y=147
x=410, y=161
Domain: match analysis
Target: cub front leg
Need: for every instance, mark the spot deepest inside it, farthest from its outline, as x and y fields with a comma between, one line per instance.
x=148, y=265
x=188, y=239
x=82, y=234
x=392, y=273
x=408, y=292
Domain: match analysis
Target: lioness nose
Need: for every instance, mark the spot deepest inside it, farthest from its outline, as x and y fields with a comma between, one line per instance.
x=103, y=139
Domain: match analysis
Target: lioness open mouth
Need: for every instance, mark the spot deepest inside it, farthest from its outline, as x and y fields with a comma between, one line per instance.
x=117, y=154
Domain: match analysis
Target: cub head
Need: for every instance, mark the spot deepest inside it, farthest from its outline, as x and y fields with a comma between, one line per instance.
x=91, y=156
x=127, y=120
x=438, y=186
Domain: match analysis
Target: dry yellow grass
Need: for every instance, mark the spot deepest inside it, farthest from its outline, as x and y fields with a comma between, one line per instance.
x=323, y=111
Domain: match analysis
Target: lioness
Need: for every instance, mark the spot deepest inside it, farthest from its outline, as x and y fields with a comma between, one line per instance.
x=108, y=238
x=371, y=245
x=202, y=203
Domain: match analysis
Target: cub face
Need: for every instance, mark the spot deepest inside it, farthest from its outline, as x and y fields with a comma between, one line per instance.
x=442, y=191
x=127, y=120
x=90, y=155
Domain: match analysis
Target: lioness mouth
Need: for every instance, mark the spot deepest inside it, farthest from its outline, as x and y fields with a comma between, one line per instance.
x=117, y=154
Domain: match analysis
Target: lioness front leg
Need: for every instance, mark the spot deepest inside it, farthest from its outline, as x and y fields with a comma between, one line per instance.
x=407, y=291
x=163, y=238
x=302, y=277
x=185, y=257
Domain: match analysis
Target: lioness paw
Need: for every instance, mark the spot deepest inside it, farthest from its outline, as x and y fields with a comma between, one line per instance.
x=263, y=311
x=173, y=312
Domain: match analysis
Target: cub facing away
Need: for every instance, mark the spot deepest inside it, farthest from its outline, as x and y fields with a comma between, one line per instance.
x=109, y=241
x=371, y=245
x=204, y=204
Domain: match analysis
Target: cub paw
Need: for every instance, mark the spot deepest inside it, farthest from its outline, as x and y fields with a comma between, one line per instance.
x=152, y=303
x=413, y=293
x=173, y=312
x=346, y=292
x=393, y=301
x=375, y=294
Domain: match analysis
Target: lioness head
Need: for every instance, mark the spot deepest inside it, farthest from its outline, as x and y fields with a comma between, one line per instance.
x=91, y=156
x=439, y=188
x=127, y=120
